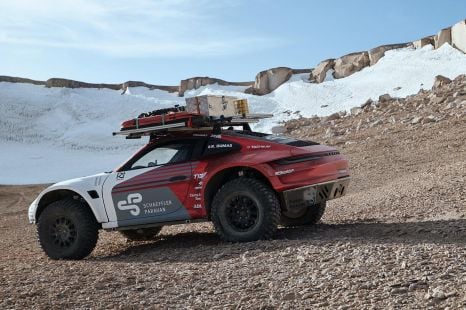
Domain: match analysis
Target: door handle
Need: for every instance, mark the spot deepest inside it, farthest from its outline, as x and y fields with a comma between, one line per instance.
x=177, y=178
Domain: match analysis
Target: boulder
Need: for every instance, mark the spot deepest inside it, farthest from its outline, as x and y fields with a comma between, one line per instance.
x=385, y=98
x=444, y=36
x=269, y=80
x=458, y=35
x=349, y=64
x=332, y=117
x=440, y=80
x=320, y=72
x=424, y=41
x=197, y=82
x=355, y=111
x=378, y=52
x=367, y=104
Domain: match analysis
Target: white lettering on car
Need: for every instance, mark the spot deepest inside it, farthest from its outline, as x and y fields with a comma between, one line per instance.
x=284, y=172
x=219, y=145
x=256, y=147
x=200, y=176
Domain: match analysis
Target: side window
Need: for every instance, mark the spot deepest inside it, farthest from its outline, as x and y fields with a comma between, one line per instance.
x=164, y=154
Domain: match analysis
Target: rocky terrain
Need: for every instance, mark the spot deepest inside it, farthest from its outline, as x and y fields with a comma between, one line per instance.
x=397, y=240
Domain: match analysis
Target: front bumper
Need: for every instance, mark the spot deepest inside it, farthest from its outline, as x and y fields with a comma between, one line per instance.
x=32, y=211
x=302, y=197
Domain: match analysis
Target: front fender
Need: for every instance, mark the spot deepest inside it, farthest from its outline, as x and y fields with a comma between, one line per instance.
x=81, y=189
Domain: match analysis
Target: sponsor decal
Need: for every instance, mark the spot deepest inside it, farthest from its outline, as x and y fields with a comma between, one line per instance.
x=284, y=172
x=220, y=146
x=257, y=147
x=216, y=136
x=120, y=176
x=130, y=204
x=155, y=207
x=196, y=196
x=200, y=176
x=197, y=206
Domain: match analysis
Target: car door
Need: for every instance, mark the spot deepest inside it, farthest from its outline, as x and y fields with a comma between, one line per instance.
x=152, y=187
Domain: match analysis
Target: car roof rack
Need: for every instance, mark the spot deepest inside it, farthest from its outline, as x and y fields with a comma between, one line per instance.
x=193, y=122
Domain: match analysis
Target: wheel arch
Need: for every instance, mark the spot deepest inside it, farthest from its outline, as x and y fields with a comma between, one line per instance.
x=59, y=194
x=228, y=174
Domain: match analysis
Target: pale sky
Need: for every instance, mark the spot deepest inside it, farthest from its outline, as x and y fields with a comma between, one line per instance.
x=164, y=41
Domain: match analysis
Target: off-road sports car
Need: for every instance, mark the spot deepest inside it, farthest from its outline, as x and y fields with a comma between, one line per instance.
x=247, y=183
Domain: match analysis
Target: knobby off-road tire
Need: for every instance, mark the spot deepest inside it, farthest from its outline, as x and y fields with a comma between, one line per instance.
x=245, y=209
x=142, y=234
x=67, y=229
x=310, y=216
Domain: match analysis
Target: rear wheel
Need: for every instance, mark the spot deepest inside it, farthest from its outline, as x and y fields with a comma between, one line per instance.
x=245, y=209
x=67, y=229
x=308, y=216
x=141, y=234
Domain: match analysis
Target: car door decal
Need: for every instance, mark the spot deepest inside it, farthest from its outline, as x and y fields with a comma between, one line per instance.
x=156, y=195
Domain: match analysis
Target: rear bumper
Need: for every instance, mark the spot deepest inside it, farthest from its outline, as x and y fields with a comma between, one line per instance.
x=301, y=197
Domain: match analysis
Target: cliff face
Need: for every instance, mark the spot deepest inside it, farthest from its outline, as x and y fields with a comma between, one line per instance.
x=268, y=80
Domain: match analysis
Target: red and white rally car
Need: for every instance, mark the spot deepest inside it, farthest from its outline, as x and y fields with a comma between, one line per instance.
x=247, y=183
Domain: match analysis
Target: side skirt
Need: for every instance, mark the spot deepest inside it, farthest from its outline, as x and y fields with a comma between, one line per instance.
x=156, y=224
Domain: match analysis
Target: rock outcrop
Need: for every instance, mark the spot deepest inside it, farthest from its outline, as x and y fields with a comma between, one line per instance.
x=319, y=73
x=442, y=37
x=378, y=52
x=197, y=82
x=14, y=79
x=171, y=89
x=349, y=64
x=269, y=80
x=58, y=82
x=458, y=35
x=424, y=41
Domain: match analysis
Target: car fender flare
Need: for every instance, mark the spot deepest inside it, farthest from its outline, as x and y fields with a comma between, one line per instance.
x=55, y=193
x=218, y=175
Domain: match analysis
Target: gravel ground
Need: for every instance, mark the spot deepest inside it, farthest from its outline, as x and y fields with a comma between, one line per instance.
x=397, y=240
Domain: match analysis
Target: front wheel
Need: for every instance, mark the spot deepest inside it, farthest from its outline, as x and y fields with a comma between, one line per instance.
x=245, y=209
x=67, y=229
x=309, y=216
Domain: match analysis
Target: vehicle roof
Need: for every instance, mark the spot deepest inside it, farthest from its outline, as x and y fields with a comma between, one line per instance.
x=266, y=137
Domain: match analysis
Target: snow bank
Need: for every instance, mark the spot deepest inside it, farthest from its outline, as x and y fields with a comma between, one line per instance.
x=50, y=134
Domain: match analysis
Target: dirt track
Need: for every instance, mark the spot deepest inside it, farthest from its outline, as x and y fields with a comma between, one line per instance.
x=396, y=241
